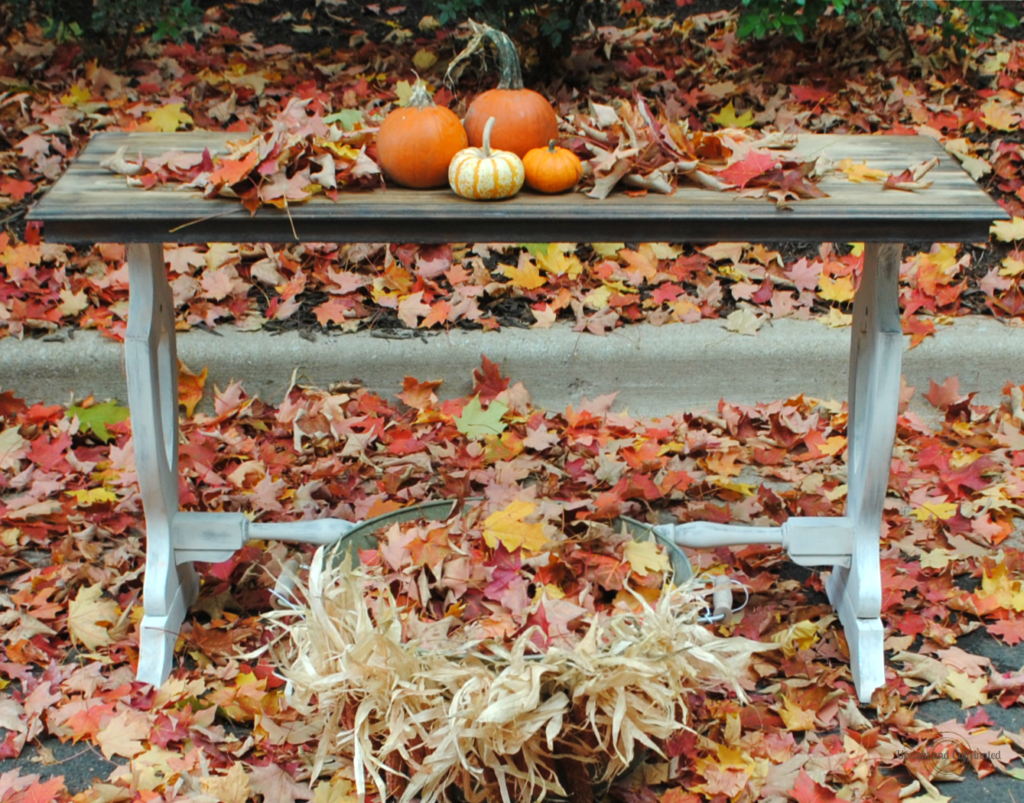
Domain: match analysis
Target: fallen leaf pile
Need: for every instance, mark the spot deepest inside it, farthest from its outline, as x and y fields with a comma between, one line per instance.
x=71, y=553
x=301, y=155
x=686, y=72
x=426, y=666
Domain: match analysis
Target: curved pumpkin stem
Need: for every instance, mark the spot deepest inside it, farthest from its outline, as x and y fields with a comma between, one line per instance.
x=510, y=76
x=551, y=146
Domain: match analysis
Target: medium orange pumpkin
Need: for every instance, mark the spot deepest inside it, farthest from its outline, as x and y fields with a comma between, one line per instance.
x=552, y=169
x=415, y=144
x=523, y=118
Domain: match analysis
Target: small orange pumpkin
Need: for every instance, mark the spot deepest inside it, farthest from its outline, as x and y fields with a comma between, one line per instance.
x=552, y=169
x=415, y=144
x=523, y=118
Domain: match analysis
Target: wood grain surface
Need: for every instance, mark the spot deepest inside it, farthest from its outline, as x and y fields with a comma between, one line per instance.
x=89, y=204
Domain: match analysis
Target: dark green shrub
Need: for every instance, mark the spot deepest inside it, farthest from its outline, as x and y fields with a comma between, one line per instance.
x=103, y=21
x=959, y=21
x=548, y=27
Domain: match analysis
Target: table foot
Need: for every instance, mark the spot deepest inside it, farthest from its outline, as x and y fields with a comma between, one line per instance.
x=159, y=632
x=864, y=637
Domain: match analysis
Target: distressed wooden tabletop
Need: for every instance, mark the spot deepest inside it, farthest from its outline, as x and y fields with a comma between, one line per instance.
x=89, y=204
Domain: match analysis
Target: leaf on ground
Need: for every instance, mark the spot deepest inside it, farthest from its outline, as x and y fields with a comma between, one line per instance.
x=526, y=275
x=95, y=419
x=508, y=528
x=232, y=787
x=275, y=784
x=90, y=616
x=1008, y=231
x=123, y=735
x=1011, y=631
x=475, y=422
x=190, y=387
x=744, y=321
x=807, y=790
x=969, y=691
x=727, y=118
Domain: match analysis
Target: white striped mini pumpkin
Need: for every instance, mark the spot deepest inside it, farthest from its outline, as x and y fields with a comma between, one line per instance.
x=482, y=174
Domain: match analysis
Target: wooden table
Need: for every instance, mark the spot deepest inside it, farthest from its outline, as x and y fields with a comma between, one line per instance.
x=89, y=204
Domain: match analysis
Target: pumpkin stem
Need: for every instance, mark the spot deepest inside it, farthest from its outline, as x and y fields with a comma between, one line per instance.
x=510, y=76
x=486, y=146
x=551, y=146
x=420, y=97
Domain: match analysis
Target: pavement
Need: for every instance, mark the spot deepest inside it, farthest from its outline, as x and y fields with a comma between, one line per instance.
x=655, y=370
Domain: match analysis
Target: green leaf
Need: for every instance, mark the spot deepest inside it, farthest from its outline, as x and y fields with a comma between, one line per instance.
x=348, y=118
x=95, y=419
x=537, y=249
x=476, y=423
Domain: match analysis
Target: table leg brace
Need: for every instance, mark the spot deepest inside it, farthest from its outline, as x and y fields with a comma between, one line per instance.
x=152, y=368
x=876, y=350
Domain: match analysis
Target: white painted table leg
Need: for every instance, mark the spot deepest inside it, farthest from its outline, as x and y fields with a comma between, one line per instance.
x=876, y=351
x=152, y=368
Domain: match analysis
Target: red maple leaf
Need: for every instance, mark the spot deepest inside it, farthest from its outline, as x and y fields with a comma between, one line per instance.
x=806, y=790
x=231, y=171
x=754, y=164
x=1009, y=630
x=944, y=395
x=488, y=381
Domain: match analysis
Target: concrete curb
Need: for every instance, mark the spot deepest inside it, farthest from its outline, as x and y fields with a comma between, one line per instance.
x=656, y=370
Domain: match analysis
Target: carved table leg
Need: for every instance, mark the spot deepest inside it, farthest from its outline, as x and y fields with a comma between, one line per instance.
x=152, y=368
x=876, y=351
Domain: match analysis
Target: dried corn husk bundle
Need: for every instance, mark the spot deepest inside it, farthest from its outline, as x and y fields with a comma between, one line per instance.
x=488, y=720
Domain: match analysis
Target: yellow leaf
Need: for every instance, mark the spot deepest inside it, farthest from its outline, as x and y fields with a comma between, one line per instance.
x=856, y=249
x=800, y=636
x=969, y=691
x=92, y=496
x=526, y=275
x=167, y=118
x=508, y=527
x=424, y=60
x=404, y=91
x=795, y=717
x=558, y=262
x=123, y=735
x=859, y=173
x=230, y=788
x=334, y=791
x=645, y=557
x=936, y=510
x=607, y=250
x=1009, y=230
x=997, y=115
x=839, y=289
x=836, y=318
x=75, y=96
x=936, y=559
x=1012, y=266
x=727, y=118
x=598, y=297
x=89, y=616
x=832, y=445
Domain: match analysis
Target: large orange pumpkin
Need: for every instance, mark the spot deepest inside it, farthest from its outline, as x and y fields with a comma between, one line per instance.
x=523, y=118
x=415, y=144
